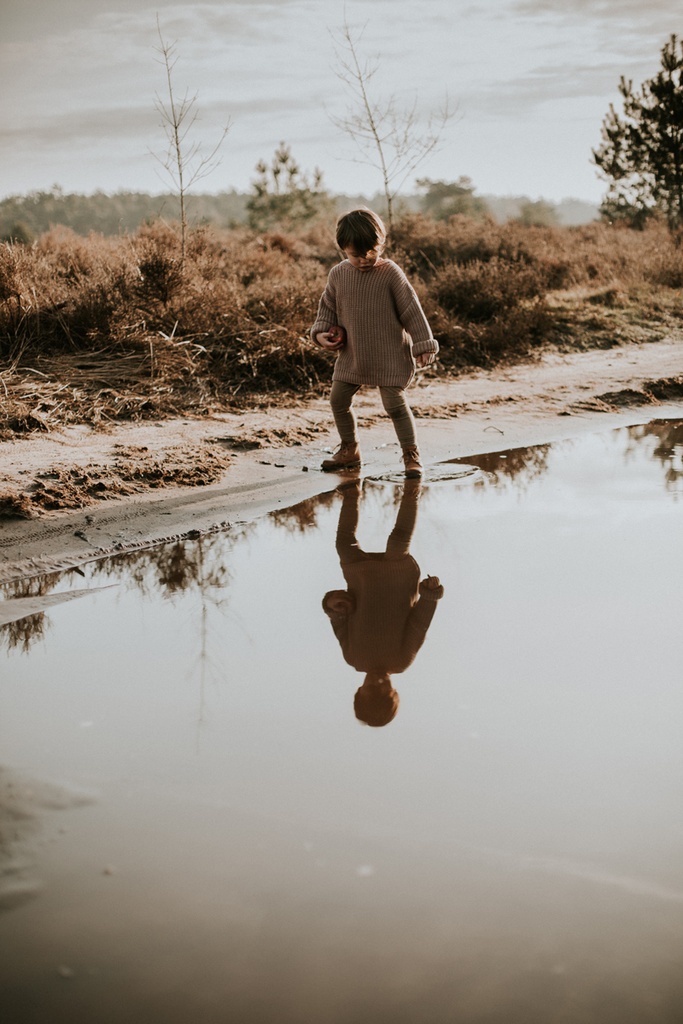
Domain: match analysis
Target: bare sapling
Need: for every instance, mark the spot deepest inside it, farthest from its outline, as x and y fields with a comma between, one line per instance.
x=183, y=161
x=390, y=137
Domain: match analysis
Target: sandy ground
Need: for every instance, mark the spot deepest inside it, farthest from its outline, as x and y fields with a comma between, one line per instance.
x=263, y=460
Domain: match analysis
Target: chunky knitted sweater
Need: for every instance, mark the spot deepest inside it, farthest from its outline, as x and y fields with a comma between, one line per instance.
x=384, y=323
x=391, y=613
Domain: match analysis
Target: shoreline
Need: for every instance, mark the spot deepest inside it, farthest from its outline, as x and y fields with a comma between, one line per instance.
x=554, y=398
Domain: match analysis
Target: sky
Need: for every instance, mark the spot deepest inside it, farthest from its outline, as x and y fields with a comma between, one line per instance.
x=529, y=83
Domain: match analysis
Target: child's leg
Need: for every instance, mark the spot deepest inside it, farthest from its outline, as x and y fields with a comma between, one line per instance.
x=396, y=406
x=400, y=537
x=347, y=544
x=341, y=397
x=394, y=401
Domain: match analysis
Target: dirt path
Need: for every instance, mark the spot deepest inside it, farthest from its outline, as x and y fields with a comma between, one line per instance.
x=90, y=493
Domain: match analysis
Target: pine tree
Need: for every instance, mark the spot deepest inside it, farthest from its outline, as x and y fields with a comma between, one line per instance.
x=283, y=196
x=641, y=153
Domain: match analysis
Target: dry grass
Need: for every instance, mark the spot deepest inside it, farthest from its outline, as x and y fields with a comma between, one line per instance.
x=98, y=329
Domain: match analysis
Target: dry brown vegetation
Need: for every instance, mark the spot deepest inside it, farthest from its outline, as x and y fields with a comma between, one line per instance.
x=132, y=469
x=98, y=329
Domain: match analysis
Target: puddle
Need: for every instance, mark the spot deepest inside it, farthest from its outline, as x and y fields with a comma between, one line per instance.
x=506, y=847
x=442, y=472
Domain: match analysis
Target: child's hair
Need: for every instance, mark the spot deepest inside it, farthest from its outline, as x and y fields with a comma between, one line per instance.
x=375, y=707
x=361, y=230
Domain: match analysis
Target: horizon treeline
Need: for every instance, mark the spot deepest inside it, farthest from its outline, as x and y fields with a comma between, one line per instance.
x=23, y=218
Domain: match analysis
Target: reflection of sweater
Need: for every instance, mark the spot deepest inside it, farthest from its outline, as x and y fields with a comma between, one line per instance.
x=391, y=616
x=384, y=322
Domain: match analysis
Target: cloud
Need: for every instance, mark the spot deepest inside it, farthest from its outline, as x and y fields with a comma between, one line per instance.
x=547, y=84
x=234, y=66
x=604, y=10
x=618, y=21
x=85, y=125
x=36, y=19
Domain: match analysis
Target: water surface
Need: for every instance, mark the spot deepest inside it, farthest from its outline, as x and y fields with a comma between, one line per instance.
x=194, y=825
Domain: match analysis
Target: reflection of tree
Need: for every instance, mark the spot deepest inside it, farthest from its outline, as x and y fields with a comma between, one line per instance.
x=521, y=465
x=174, y=567
x=169, y=569
x=199, y=564
x=304, y=515
x=23, y=633
x=668, y=450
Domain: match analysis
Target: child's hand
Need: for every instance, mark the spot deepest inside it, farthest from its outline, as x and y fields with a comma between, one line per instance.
x=325, y=341
x=431, y=589
x=338, y=603
x=424, y=358
x=431, y=582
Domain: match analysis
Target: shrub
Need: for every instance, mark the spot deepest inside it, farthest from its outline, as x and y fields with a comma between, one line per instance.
x=479, y=291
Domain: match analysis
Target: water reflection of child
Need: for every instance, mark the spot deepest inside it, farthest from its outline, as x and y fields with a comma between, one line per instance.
x=382, y=619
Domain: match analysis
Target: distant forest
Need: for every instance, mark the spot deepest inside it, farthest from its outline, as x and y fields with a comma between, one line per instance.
x=23, y=218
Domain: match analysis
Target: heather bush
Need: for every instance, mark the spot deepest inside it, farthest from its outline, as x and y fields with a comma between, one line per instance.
x=477, y=291
x=665, y=268
x=9, y=278
x=564, y=257
x=422, y=245
x=517, y=334
x=67, y=291
x=493, y=310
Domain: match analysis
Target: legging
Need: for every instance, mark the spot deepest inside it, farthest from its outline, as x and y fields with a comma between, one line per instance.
x=395, y=405
x=398, y=544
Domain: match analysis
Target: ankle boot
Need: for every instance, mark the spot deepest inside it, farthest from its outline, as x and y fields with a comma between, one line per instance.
x=347, y=456
x=412, y=461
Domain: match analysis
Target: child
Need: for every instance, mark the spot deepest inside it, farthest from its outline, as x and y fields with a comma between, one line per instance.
x=382, y=619
x=387, y=334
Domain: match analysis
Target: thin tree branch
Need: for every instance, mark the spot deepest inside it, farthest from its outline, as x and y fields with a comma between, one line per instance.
x=182, y=162
x=387, y=136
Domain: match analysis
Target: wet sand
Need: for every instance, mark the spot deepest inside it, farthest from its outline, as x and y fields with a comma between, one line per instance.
x=272, y=456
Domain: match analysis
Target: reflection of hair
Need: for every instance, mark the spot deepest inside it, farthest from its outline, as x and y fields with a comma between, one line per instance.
x=375, y=706
x=361, y=230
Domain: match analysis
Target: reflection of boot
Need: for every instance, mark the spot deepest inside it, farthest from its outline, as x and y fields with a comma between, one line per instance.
x=412, y=461
x=412, y=487
x=347, y=456
x=355, y=485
